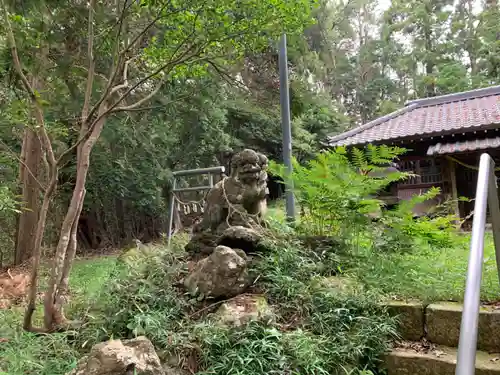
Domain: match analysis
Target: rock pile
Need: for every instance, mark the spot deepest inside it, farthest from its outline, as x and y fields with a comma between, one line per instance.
x=231, y=229
x=221, y=249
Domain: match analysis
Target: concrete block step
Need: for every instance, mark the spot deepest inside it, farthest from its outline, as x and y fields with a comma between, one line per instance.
x=440, y=360
x=443, y=320
x=440, y=323
x=411, y=318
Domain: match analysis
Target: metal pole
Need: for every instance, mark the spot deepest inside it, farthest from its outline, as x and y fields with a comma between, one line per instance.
x=194, y=172
x=467, y=345
x=287, y=129
x=494, y=207
x=171, y=211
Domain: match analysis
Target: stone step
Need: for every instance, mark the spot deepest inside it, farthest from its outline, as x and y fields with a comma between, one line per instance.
x=443, y=325
x=440, y=323
x=441, y=360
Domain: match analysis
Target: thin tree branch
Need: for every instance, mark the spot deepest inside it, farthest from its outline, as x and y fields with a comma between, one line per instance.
x=85, y=69
x=6, y=147
x=140, y=101
x=31, y=92
x=226, y=76
x=139, y=109
x=120, y=55
x=116, y=53
x=168, y=66
x=90, y=73
x=118, y=87
x=155, y=91
x=158, y=17
x=103, y=34
x=15, y=56
x=125, y=83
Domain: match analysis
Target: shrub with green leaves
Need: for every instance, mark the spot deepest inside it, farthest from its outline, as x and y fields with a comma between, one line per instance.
x=9, y=203
x=139, y=299
x=401, y=230
x=338, y=191
x=10, y=207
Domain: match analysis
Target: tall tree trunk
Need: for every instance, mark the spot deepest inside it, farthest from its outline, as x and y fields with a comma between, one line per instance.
x=471, y=37
x=63, y=259
x=53, y=316
x=63, y=289
x=40, y=230
x=49, y=161
x=29, y=172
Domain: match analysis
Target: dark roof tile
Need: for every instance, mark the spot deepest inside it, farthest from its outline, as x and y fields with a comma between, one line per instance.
x=463, y=146
x=452, y=113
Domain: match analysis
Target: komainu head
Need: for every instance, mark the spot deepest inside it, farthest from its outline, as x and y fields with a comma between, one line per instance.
x=247, y=165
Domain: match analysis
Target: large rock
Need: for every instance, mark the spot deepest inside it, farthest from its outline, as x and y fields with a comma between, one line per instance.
x=247, y=239
x=116, y=357
x=222, y=274
x=202, y=244
x=244, y=309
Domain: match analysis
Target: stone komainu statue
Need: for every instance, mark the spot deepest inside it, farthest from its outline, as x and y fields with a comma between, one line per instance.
x=237, y=202
x=239, y=199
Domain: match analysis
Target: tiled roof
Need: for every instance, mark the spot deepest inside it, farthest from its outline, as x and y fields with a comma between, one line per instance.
x=447, y=114
x=474, y=144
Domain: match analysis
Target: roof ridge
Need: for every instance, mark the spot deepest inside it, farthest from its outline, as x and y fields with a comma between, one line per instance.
x=457, y=96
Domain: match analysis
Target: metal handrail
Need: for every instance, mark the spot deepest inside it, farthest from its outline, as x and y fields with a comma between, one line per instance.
x=486, y=196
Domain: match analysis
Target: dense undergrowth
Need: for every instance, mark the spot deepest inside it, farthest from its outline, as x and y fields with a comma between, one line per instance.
x=324, y=324
x=318, y=329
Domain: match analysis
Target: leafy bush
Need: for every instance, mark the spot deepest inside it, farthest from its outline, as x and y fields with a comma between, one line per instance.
x=140, y=298
x=400, y=230
x=10, y=206
x=9, y=203
x=341, y=329
x=337, y=192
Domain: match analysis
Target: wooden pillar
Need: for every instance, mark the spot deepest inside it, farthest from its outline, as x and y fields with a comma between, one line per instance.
x=454, y=192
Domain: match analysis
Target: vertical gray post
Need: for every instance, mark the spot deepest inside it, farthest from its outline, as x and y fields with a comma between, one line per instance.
x=467, y=344
x=287, y=129
x=171, y=211
x=494, y=205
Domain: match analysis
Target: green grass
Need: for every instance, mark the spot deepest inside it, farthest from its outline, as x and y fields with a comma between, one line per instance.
x=89, y=275
x=25, y=353
x=428, y=274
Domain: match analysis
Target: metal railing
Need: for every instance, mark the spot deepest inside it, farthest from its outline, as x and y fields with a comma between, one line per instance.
x=189, y=172
x=486, y=196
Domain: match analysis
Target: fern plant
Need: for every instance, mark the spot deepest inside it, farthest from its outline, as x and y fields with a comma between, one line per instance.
x=402, y=230
x=337, y=189
x=374, y=158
